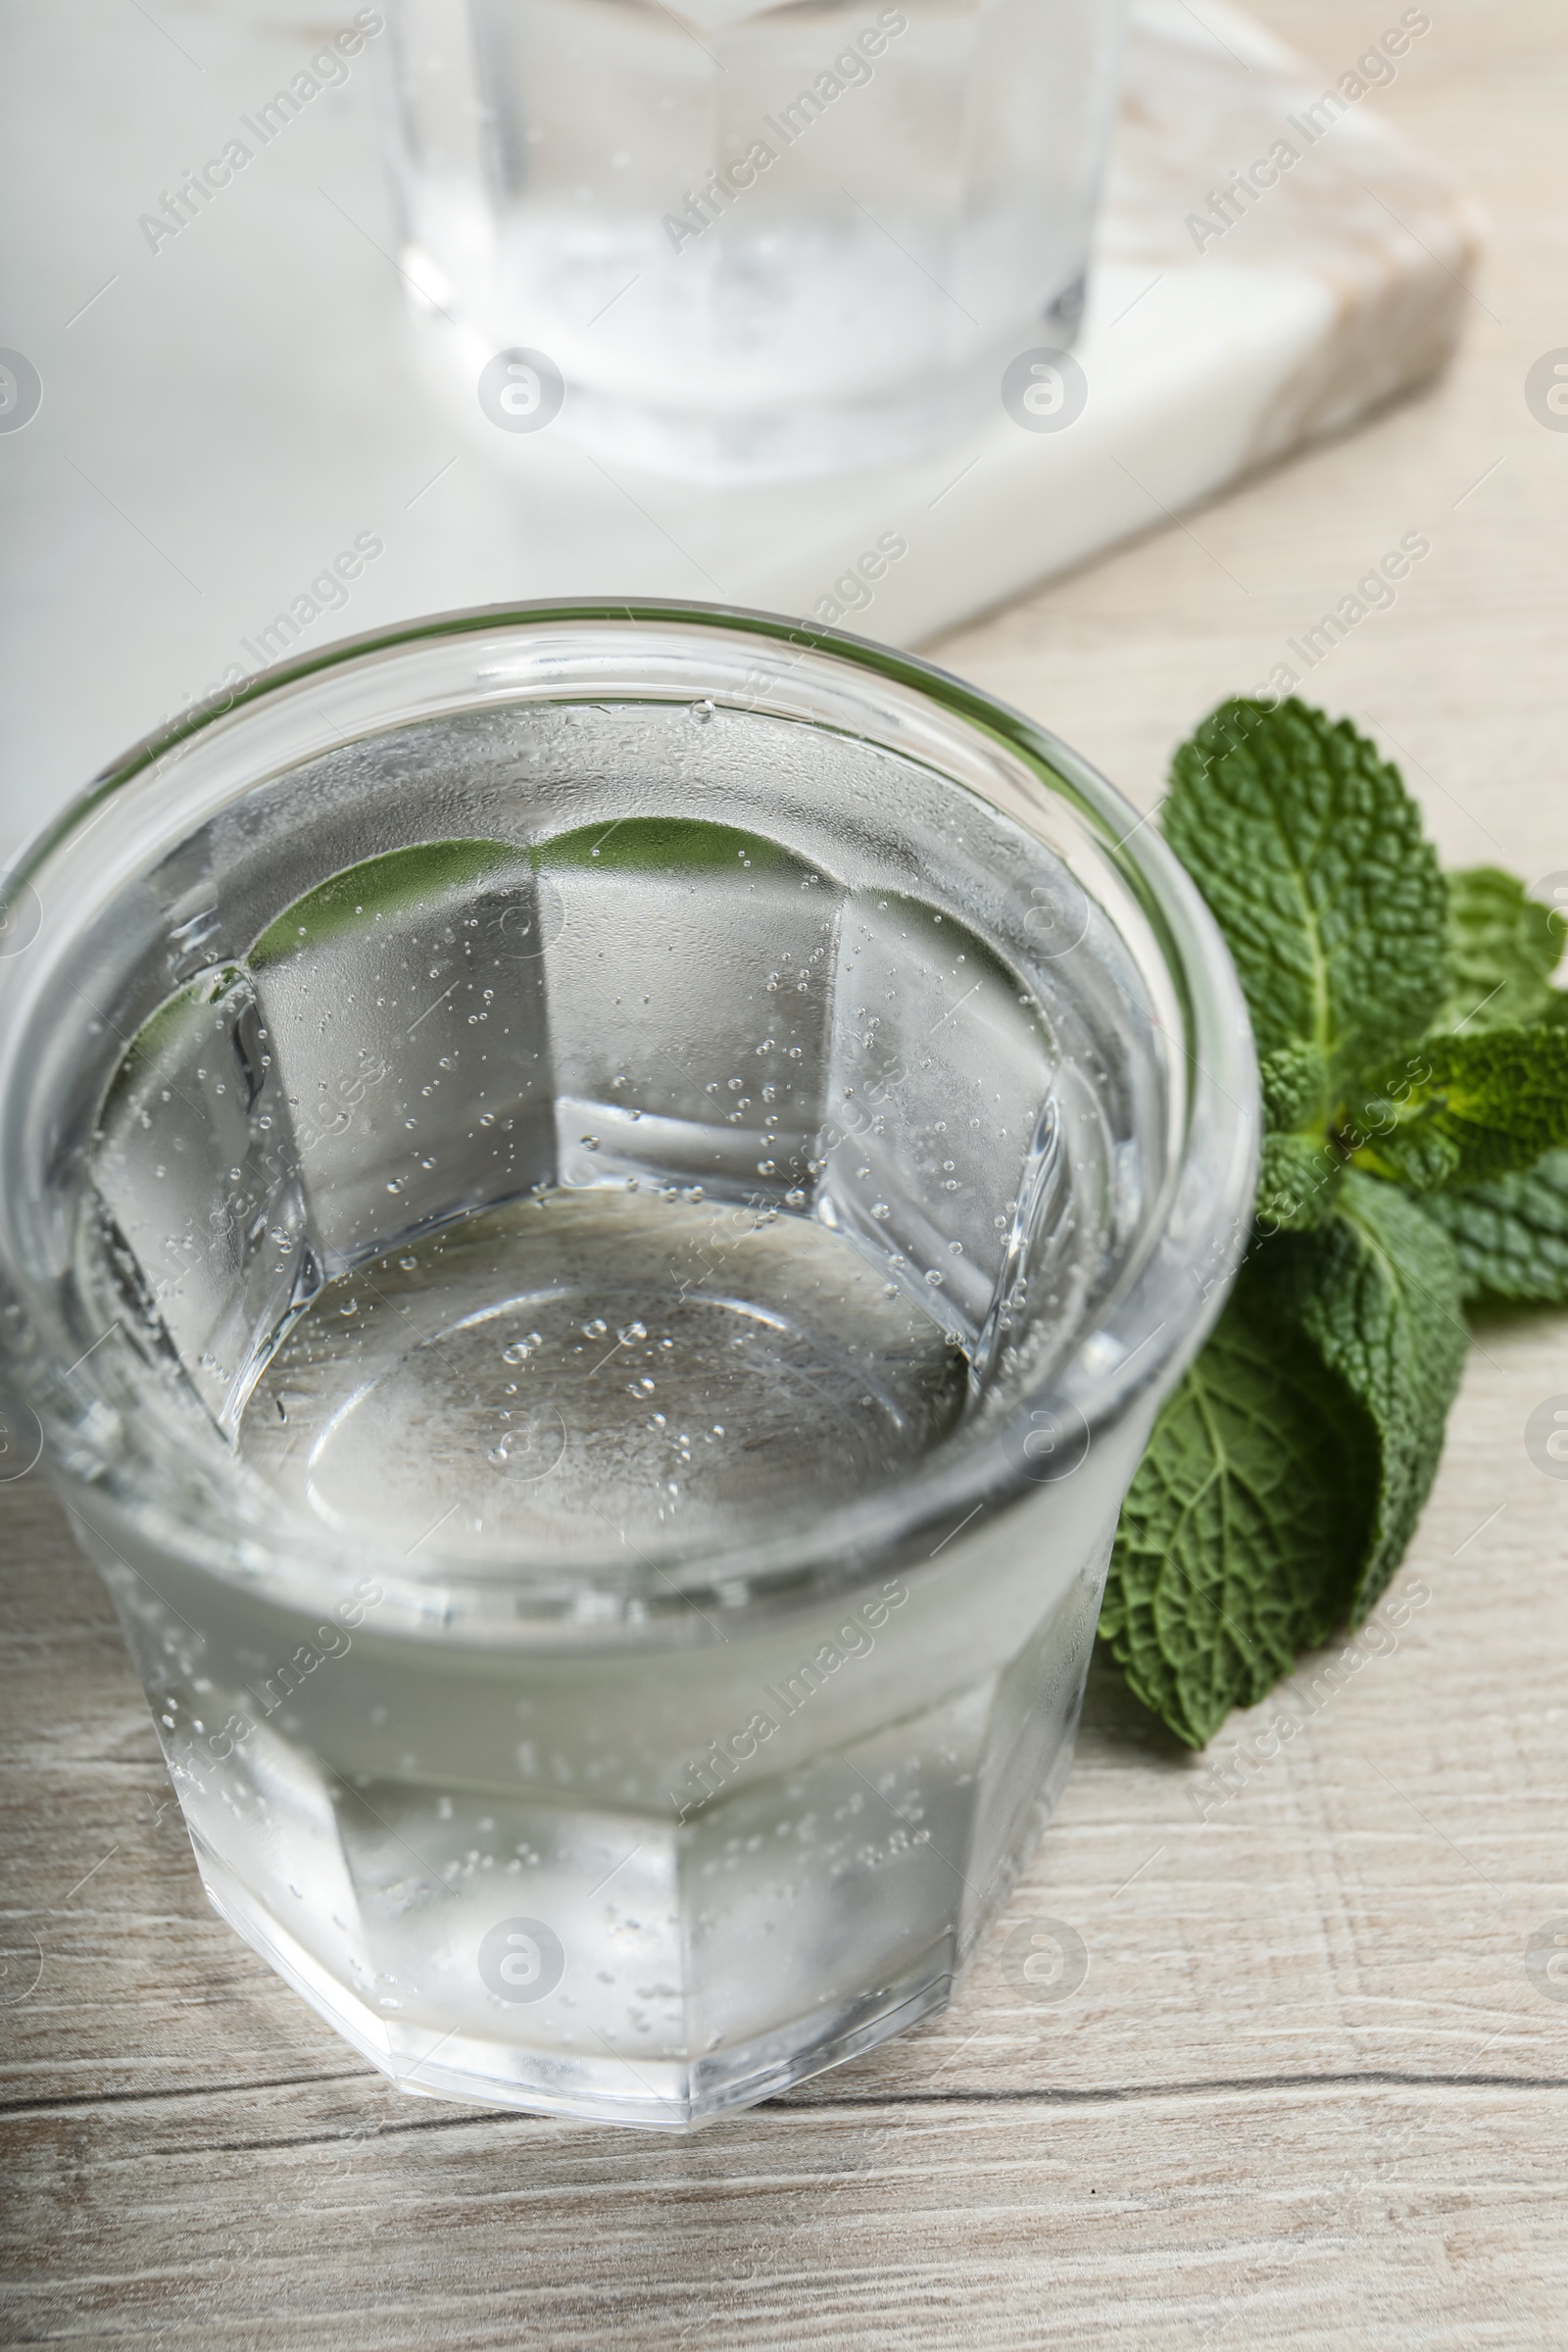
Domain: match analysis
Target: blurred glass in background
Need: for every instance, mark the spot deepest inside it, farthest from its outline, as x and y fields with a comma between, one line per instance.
x=735, y=239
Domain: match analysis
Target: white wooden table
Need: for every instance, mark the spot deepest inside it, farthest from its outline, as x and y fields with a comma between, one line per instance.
x=1309, y=2092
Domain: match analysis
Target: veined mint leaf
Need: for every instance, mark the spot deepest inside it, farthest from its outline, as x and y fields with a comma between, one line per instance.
x=1505, y=947
x=1310, y=854
x=1377, y=1291
x=1300, y=1167
x=1511, y=1235
x=1298, y=1179
x=1245, y=1524
x=1295, y=1086
x=1468, y=1107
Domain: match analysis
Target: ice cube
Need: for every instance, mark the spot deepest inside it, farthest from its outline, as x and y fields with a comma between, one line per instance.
x=938, y=1077
x=403, y=1005
x=198, y=1190
x=691, y=994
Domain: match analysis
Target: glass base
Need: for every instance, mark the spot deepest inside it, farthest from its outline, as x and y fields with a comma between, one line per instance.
x=657, y=2095
x=694, y=437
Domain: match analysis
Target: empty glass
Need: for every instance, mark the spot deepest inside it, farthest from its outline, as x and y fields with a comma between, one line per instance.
x=597, y=1203
x=748, y=237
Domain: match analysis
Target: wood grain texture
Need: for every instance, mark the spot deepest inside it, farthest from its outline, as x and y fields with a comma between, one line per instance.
x=1309, y=2092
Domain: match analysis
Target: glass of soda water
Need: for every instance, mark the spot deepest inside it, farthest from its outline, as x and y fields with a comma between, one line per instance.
x=745, y=238
x=598, y=1201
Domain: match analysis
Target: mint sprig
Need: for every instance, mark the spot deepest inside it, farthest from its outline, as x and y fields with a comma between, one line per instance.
x=1374, y=1293
x=1512, y=1237
x=1504, y=948
x=1310, y=854
x=1413, y=1051
x=1468, y=1107
x=1231, y=1549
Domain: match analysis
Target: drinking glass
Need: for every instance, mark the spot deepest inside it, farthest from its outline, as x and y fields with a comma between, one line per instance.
x=747, y=238
x=596, y=1201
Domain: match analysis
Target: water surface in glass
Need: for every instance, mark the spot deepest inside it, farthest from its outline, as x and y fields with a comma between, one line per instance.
x=638, y=1184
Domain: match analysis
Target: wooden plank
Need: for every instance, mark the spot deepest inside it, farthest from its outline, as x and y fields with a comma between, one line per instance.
x=1223, y=2218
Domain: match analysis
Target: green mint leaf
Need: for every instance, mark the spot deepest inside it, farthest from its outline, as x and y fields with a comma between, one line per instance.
x=1511, y=1235
x=1377, y=1291
x=1298, y=1179
x=1468, y=1108
x=1310, y=854
x=1296, y=1089
x=1299, y=1167
x=1505, y=947
x=1242, y=1529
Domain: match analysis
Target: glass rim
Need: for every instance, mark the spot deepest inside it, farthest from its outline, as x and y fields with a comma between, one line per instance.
x=872, y=1531
x=1035, y=742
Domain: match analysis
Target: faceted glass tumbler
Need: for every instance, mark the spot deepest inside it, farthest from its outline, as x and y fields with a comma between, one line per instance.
x=747, y=238
x=596, y=1201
